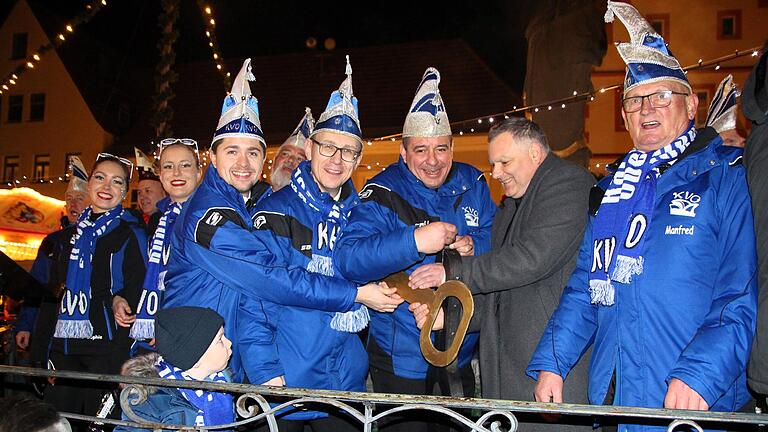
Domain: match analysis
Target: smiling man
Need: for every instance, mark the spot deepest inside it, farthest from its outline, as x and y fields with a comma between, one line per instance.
x=291, y=153
x=670, y=312
x=317, y=349
x=409, y=213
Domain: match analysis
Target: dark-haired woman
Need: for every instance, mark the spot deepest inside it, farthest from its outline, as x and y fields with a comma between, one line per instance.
x=106, y=255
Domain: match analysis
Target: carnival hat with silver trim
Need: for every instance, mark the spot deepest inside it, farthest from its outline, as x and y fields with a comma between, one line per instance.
x=240, y=111
x=78, y=176
x=427, y=116
x=722, y=110
x=341, y=115
x=145, y=166
x=647, y=56
x=299, y=135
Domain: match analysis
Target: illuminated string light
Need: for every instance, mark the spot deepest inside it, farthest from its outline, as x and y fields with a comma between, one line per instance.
x=210, y=33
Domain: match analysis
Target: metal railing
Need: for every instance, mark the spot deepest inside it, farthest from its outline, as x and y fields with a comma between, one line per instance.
x=253, y=406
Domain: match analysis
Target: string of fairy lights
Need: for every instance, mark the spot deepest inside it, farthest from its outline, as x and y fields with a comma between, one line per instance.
x=29, y=63
x=477, y=124
x=473, y=125
x=210, y=33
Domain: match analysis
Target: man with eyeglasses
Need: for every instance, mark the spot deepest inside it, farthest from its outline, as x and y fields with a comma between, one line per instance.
x=664, y=284
x=291, y=153
x=409, y=213
x=317, y=349
x=216, y=261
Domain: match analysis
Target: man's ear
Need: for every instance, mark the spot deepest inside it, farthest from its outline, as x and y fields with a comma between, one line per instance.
x=691, y=105
x=402, y=150
x=308, y=149
x=212, y=154
x=535, y=153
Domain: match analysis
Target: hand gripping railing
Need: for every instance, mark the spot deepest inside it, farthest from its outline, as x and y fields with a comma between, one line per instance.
x=497, y=415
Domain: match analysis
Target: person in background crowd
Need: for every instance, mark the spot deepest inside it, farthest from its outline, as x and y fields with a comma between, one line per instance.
x=191, y=346
x=105, y=254
x=150, y=189
x=408, y=214
x=317, y=349
x=75, y=201
x=291, y=153
x=216, y=259
x=722, y=113
x=535, y=239
x=673, y=227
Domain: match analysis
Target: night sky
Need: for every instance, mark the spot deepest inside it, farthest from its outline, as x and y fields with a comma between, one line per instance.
x=128, y=28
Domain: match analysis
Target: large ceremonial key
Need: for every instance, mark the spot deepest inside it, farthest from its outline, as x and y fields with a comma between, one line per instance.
x=435, y=300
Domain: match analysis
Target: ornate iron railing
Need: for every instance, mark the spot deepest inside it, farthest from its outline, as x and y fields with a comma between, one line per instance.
x=253, y=406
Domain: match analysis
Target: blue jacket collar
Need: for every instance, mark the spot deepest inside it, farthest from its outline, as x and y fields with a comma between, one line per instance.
x=213, y=183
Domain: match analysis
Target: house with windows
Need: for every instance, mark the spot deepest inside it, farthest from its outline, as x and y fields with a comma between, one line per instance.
x=694, y=31
x=61, y=108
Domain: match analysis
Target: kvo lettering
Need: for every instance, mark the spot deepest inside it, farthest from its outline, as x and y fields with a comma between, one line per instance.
x=326, y=235
x=72, y=302
x=152, y=299
x=602, y=253
x=636, y=230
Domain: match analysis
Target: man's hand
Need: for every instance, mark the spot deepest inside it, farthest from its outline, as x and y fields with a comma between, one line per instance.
x=379, y=297
x=427, y=276
x=549, y=388
x=278, y=381
x=464, y=245
x=22, y=340
x=122, y=312
x=680, y=396
x=433, y=237
x=421, y=312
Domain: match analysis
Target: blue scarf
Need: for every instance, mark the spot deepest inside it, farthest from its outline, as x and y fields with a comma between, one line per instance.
x=213, y=408
x=618, y=232
x=151, y=295
x=74, y=312
x=305, y=186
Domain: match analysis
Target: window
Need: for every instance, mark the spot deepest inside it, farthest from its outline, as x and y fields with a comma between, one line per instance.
x=729, y=24
x=660, y=23
x=66, y=160
x=15, y=108
x=19, y=46
x=11, y=168
x=42, y=166
x=37, y=107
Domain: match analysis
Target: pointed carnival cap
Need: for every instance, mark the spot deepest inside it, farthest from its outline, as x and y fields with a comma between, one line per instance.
x=341, y=115
x=722, y=110
x=299, y=135
x=647, y=57
x=240, y=111
x=427, y=117
x=78, y=176
x=145, y=166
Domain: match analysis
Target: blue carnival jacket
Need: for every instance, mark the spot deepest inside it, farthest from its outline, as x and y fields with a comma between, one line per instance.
x=378, y=241
x=166, y=406
x=216, y=260
x=691, y=314
x=313, y=354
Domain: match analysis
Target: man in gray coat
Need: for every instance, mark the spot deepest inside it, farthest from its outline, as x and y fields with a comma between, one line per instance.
x=517, y=285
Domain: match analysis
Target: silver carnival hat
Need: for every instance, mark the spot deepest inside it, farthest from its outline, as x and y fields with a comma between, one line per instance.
x=722, y=110
x=341, y=115
x=78, y=176
x=427, y=116
x=299, y=135
x=240, y=111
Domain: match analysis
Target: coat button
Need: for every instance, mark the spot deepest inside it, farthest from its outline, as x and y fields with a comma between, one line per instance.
x=712, y=162
x=694, y=172
x=464, y=188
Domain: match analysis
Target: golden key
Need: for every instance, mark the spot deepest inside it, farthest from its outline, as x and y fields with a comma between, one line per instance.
x=435, y=301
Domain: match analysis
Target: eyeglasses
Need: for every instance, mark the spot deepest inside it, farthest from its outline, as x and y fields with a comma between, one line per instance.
x=329, y=150
x=659, y=99
x=165, y=142
x=109, y=156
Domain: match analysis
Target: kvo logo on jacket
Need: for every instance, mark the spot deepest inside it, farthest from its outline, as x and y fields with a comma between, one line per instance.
x=683, y=203
x=471, y=216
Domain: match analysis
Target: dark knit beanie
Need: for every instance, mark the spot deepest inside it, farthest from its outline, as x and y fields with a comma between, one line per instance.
x=183, y=334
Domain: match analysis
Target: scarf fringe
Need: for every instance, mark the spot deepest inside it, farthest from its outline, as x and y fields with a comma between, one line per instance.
x=352, y=321
x=601, y=292
x=626, y=267
x=75, y=329
x=143, y=329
